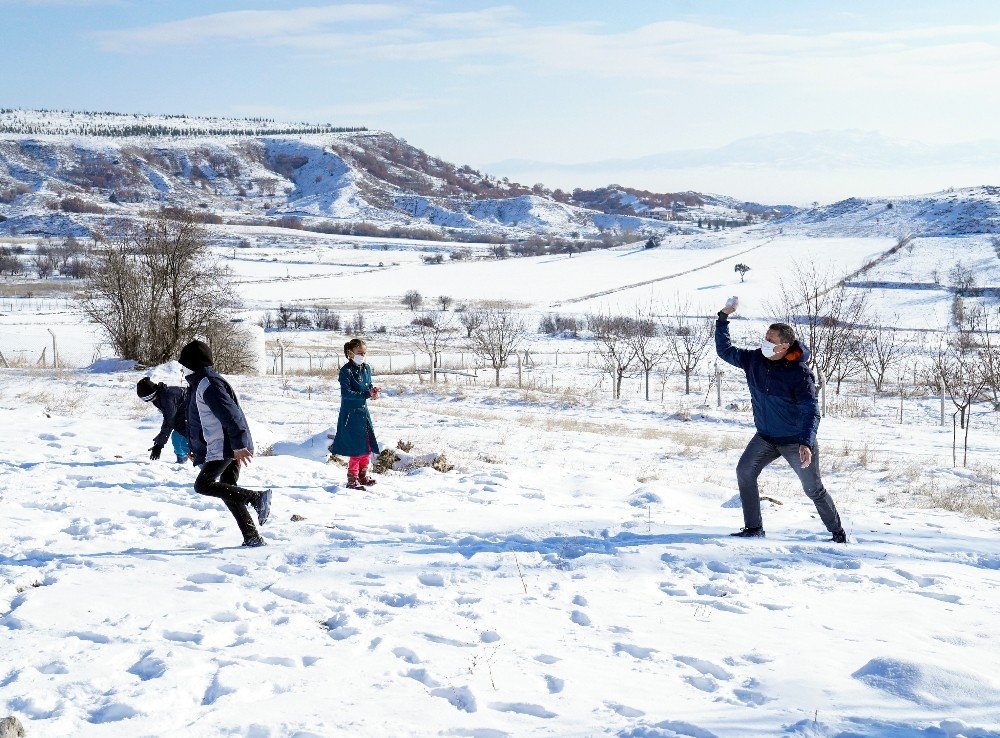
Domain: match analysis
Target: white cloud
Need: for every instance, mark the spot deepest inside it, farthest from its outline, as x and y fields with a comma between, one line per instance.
x=964, y=55
x=250, y=26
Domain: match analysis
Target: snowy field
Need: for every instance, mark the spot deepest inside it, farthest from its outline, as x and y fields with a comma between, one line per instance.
x=572, y=576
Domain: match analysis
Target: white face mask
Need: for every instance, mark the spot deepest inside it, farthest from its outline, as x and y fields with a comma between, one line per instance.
x=767, y=348
x=358, y=359
x=187, y=372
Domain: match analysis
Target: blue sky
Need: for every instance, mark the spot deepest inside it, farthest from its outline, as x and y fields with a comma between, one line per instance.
x=550, y=80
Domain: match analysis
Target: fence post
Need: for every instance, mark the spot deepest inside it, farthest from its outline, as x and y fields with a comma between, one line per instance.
x=41, y=361
x=55, y=353
x=390, y=363
x=718, y=385
x=519, y=384
x=414, y=361
x=900, y=400
x=281, y=353
x=557, y=357
x=822, y=392
x=309, y=354
x=4, y=360
x=941, y=389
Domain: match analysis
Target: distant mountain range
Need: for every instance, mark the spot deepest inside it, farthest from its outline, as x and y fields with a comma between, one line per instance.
x=849, y=149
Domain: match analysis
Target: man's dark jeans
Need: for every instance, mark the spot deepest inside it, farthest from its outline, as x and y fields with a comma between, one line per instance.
x=759, y=453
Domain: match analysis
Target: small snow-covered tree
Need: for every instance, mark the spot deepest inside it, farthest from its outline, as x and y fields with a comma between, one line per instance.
x=413, y=299
x=742, y=270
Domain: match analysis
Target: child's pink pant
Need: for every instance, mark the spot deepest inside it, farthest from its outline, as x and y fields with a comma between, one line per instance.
x=356, y=463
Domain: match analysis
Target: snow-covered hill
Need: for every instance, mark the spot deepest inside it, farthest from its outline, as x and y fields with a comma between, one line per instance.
x=949, y=213
x=63, y=173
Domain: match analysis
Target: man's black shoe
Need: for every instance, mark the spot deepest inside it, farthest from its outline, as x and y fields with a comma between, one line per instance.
x=255, y=542
x=839, y=536
x=749, y=533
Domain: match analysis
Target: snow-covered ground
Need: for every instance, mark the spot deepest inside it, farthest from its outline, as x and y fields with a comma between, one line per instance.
x=572, y=576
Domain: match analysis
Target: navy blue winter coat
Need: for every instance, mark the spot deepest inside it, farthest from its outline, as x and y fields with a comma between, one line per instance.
x=215, y=422
x=782, y=392
x=172, y=402
x=355, y=433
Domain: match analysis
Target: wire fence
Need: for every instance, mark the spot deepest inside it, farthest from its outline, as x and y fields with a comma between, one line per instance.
x=583, y=373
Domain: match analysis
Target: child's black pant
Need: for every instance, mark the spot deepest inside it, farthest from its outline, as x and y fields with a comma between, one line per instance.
x=218, y=479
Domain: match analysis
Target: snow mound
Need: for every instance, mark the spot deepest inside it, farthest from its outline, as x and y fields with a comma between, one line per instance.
x=927, y=685
x=110, y=366
x=314, y=448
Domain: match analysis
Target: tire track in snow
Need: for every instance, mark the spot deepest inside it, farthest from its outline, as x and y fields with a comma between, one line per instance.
x=623, y=288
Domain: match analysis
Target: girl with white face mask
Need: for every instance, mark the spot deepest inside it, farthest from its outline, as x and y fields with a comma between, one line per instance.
x=355, y=437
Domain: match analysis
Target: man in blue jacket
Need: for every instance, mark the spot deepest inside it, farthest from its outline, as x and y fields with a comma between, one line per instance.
x=786, y=414
x=220, y=441
x=172, y=403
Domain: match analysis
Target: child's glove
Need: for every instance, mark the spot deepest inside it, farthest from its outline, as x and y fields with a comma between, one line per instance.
x=154, y=452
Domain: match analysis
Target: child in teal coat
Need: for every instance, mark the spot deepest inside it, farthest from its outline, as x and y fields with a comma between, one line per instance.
x=355, y=437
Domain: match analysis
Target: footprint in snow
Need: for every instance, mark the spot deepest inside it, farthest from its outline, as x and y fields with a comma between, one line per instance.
x=461, y=698
x=523, y=708
x=555, y=684
x=918, y=580
x=636, y=652
x=624, y=710
x=208, y=578
x=706, y=668
x=407, y=655
x=421, y=675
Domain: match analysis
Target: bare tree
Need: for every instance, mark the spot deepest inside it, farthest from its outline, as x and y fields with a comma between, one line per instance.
x=964, y=380
x=155, y=287
x=445, y=302
x=432, y=330
x=612, y=339
x=498, y=337
x=649, y=350
x=989, y=357
x=827, y=314
x=879, y=349
x=413, y=299
x=471, y=320
x=45, y=265
x=688, y=339
x=742, y=270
